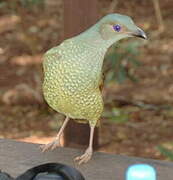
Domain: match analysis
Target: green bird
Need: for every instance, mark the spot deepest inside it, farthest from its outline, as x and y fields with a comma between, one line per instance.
x=73, y=74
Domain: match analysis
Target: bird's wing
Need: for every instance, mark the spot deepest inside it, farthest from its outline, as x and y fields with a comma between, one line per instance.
x=51, y=55
x=101, y=83
x=55, y=53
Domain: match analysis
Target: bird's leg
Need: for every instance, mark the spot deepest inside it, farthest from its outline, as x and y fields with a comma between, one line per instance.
x=89, y=151
x=56, y=142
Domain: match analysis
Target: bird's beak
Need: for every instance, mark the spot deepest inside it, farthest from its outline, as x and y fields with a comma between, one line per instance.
x=140, y=33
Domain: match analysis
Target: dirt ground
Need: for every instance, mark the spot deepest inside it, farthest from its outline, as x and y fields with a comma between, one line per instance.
x=27, y=32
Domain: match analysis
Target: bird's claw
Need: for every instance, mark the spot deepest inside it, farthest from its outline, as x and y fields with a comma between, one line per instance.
x=50, y=146
x=85, y=157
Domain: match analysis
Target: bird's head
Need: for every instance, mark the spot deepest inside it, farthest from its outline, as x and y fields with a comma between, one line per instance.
x=117, y=26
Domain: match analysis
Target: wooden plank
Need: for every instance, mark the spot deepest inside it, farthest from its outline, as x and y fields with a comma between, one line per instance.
x=78, y=16
x=16, y=157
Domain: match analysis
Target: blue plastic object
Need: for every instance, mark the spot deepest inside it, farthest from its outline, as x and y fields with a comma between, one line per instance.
x=141, y=172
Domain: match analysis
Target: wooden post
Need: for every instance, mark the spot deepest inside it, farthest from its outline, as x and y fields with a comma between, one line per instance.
x=78, y=16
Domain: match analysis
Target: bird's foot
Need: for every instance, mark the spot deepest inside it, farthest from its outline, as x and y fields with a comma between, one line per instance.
x=51, y=146
x=85, y=157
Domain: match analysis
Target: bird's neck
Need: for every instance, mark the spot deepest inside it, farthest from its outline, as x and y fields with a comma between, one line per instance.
x=95, y=40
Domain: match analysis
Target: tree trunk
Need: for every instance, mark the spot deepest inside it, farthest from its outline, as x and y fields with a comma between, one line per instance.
x=78, y=16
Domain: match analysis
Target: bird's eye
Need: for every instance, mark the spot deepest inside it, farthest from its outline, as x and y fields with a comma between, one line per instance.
x=117, y=27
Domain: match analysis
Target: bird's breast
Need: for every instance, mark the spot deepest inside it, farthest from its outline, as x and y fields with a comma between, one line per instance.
x=76, y=69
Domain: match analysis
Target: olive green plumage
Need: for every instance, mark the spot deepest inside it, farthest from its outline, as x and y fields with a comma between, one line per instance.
x=73, y=70
x=73, y=74
x=72, y=78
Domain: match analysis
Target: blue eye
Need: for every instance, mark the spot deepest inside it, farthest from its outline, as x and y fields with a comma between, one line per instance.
x=117, y=27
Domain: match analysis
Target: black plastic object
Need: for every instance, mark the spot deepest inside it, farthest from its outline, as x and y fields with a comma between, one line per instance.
x=49, y=171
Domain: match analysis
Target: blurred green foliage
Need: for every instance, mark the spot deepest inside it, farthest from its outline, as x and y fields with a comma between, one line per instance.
x=117, y=115
x=120, y=65
x=166, y=152
x=121, y=61
x=25, y=3
x=2, y=4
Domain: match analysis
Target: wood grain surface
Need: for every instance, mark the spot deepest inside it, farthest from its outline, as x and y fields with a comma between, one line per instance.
x=17, y=157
